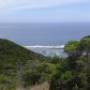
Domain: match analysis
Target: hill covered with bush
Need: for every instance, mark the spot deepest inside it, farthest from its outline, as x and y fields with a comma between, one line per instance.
x=13, y=60
x=21, y=68
x=10, y=50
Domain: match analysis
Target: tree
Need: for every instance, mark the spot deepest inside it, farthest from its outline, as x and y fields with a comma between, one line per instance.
x=72, y=48
x=85, y=47
x=71, y=75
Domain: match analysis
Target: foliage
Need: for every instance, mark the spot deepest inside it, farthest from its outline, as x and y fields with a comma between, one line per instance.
x=20, y=67
x=74, y=73
x=13, y=59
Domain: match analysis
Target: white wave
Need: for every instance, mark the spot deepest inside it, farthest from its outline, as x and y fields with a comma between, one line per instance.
x=38, y=46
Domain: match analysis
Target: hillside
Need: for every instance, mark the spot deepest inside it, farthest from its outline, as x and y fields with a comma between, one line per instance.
x=14, y=65
x=12, y=51
x=21, y=68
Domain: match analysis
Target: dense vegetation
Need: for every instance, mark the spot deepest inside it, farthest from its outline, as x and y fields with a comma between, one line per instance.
x=74, y=72
x=13, y=60
x=22, y=68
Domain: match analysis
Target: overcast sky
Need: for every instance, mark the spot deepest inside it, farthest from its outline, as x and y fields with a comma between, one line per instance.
x=44, y=10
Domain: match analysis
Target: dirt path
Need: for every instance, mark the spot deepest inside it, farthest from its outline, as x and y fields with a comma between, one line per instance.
x=44, y=86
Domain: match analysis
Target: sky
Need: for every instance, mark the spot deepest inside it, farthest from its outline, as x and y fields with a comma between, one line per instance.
x=44, y=10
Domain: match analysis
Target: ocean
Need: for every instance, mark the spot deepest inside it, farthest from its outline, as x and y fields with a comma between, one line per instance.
x=27, y=34
x=41, y=35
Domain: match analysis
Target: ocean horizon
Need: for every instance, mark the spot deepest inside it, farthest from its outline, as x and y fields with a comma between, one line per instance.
x=31, y=34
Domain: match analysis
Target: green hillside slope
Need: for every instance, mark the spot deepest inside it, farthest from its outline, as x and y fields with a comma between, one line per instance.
x=12, y=51
x=13, y=61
